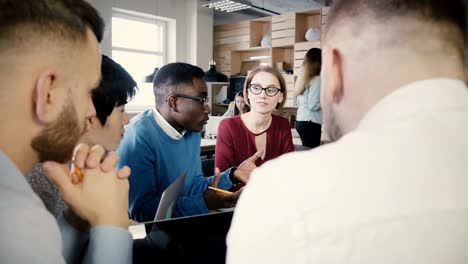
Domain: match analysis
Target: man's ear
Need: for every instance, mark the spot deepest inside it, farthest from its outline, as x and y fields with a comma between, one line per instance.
x=172, y=102
x=334, y=89
x=46, y=100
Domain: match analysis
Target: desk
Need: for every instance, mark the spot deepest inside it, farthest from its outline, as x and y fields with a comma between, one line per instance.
x=207, y=147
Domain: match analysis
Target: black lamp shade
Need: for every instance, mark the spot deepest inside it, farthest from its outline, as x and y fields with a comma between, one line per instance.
x=212, y=75
x=149, y=78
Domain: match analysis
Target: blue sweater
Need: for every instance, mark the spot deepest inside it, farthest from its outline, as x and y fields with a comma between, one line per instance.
x=156, y=161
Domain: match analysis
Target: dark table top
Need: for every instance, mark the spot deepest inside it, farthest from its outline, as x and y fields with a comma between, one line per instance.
x=195, y=239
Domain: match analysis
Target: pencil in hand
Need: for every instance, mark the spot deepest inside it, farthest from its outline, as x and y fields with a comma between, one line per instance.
x=219, y=190
x=78, y=174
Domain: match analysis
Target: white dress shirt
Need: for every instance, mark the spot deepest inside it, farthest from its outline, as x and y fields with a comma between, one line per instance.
x=395, y=190
x=166, y=127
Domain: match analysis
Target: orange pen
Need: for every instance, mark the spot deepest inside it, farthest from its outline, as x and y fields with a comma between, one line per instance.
x=219, y=190
x=78, y=173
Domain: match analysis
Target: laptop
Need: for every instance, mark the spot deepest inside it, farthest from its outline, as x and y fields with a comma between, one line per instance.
x=169, y=198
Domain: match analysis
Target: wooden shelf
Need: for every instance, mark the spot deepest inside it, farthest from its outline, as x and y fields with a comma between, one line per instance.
x=307, y=20
x=213, y=90
x=258, y=29
x=250, y=60
x=259, y=48
x=242, y=62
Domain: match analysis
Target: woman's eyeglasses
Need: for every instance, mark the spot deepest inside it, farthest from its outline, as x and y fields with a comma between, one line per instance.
x=204, y=101
x=270, y=90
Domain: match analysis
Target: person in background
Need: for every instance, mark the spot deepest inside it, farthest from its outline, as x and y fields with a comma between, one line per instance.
x=309, y=114
x=105, y=128
x=238, y=106
x=50, y=65
x=162, y=143
x=241, y=136
x=393, y=186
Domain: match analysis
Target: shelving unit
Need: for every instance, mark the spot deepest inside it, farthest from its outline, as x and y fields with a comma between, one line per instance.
x=306, y=20
x=217, y=108
x=244, y=60
x=229, y=37
x=284, y=56
x=283, y=33
x=290, y=80
x=258, y=28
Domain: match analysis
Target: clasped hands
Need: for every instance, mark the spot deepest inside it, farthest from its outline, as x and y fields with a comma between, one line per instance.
x=101, y=197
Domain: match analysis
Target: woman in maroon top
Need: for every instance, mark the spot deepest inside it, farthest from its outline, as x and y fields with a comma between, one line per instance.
x=239, y=137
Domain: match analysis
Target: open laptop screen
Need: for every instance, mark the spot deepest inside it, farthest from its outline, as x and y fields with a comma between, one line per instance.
x=169, y=198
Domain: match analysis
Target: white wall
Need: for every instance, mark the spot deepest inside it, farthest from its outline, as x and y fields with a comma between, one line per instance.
x=204, y=35
x=193, y=41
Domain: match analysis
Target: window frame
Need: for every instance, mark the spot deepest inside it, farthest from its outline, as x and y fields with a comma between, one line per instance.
x=145, y=18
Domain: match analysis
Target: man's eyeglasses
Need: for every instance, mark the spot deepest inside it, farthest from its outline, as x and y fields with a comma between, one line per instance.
x=204, y=101
x=270, y=90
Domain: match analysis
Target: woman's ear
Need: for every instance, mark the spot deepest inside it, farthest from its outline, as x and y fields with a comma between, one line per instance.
x=47, y=99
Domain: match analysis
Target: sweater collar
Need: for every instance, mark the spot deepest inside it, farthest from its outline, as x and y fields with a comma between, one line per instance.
x=166, y=127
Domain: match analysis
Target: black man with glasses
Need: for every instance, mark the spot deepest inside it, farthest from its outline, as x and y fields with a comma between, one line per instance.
x=241, y=136
x=163, y=142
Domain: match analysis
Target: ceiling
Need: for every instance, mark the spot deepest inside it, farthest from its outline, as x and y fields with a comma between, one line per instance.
x=261, y=8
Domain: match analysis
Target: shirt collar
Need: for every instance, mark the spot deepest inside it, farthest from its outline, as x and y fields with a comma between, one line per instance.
x=412, y=98
x=166, y=127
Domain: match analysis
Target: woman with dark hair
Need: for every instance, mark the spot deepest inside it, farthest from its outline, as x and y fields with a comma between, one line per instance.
x=238, y=106
x=309, y=115
x=239, y=137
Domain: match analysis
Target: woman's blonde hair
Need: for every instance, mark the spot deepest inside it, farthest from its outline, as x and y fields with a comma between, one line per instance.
x=272, y=71
x=311, y=67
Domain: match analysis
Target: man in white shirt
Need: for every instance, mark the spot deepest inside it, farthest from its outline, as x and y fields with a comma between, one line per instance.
x=393, y=188
x=50, y=62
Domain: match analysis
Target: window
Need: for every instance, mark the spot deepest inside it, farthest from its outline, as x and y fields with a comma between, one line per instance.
x=139, y=45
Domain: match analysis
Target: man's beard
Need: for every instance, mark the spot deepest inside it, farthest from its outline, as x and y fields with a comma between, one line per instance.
x=57, y=141
x=332, y=128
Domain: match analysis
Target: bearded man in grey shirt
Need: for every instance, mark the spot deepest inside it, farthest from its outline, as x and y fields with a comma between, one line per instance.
x=106, y=128
x=50, y=64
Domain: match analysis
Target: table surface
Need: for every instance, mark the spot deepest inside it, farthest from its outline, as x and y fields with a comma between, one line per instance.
x=195, y=239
